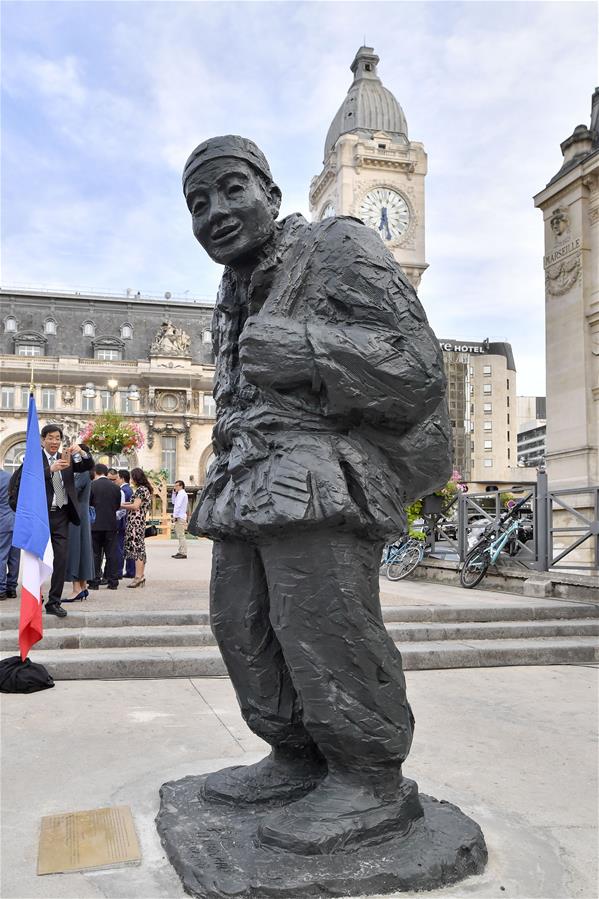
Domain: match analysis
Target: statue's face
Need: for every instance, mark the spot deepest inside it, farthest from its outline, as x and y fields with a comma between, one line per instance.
x=233, y=211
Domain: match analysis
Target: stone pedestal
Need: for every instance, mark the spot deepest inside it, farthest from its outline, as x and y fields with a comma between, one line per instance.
x=216, y=852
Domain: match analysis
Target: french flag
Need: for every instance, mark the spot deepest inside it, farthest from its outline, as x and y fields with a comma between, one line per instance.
x=32, y=535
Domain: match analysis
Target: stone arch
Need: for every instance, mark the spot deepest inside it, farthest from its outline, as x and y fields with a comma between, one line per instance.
x=204, y=463
x=12, y=440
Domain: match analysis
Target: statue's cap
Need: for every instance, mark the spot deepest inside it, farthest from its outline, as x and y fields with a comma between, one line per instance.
x=229, y=145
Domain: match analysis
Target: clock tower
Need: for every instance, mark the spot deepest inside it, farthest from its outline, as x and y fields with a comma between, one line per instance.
x=372, y=170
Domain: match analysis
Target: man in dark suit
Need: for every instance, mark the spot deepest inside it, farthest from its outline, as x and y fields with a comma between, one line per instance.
x=105, y=497
x=62, y=502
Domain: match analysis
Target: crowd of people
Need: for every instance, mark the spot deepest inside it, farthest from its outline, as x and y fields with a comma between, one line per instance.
x=97, y=517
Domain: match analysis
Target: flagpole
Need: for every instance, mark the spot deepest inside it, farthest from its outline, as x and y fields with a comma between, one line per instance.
x=31, y=383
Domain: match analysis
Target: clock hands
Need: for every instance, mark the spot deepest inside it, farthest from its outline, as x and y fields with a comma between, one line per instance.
x=384, y=223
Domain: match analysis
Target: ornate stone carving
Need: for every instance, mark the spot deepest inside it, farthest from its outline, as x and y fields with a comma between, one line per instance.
x=169, y=401
x=170, y=341
x=594, y=215
x=168, y=429
x=68, y=396
x=560, y=223
x=560, y=278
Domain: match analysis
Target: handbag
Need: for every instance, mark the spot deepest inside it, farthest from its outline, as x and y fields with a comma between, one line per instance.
x=92, y=514
x=151, y=531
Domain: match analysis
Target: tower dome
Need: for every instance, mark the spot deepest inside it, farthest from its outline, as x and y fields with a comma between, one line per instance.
x=368, y=106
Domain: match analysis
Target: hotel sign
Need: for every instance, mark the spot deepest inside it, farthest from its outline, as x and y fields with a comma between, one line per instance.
x=452, y=346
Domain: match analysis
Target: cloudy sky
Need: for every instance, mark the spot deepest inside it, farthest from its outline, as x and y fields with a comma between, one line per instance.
x=103, y=101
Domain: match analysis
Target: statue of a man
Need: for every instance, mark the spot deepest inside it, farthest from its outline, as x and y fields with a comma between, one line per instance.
x=331, y=416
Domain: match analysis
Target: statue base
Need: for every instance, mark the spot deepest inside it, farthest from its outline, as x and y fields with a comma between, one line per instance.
x=214, y=850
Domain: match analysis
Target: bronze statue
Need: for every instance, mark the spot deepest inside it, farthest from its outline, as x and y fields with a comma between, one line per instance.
x=331, y=417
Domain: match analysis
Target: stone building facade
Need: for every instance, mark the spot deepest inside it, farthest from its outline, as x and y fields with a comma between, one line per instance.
x=372, y=170
x=150, y=359
x=570, y=206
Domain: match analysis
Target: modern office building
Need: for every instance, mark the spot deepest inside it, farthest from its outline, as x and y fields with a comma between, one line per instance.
x=149, y=358
x=481, y=380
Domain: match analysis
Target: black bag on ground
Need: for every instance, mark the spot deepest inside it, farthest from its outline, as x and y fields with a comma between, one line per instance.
x=151, y=531
x=23, y=677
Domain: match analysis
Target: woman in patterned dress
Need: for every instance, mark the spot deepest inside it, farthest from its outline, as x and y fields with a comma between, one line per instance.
x=137, y=509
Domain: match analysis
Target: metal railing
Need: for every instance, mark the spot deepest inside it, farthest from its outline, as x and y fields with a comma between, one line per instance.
x=546, y=551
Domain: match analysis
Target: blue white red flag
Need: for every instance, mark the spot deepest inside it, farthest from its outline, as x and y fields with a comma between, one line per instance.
x=32, y=535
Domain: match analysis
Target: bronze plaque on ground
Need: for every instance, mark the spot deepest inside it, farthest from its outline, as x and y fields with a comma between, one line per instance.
x=86, y=841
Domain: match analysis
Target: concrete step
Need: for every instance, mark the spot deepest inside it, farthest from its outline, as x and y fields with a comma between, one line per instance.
x=206, y=661
x=519, y=610
x=201, y=635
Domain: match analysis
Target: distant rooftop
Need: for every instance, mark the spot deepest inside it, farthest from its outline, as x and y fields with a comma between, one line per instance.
x=128, y=295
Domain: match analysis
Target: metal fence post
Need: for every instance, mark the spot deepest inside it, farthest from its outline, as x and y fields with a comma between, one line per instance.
x=542, y=521
x=462, y=526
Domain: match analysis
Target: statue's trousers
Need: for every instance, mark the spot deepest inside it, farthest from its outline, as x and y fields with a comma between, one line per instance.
x=299, y=624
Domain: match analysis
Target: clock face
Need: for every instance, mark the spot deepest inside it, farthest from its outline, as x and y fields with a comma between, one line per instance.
x=386, y=211
x=327, y=212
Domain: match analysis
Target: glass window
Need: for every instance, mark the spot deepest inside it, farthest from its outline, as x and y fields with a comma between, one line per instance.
x=29, y=349
x=7, y=397
x=127, y=404
x=487, y=389
x=50, y=326
x=486, y=369
x=208, y=405
x=488, y=444
x=24, y=397
x=88, y=403
x=108, y=354
x=487, y=425
x=207, y=336
x=106, y=400
x=10, y=323
x=169, y=457
x=48, y=398
x=487, y=407
x=89, y=329
x=14, y=457
x=488, y=463
x=126, y=332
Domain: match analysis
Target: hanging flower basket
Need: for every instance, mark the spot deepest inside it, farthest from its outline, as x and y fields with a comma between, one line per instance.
x=111, y=434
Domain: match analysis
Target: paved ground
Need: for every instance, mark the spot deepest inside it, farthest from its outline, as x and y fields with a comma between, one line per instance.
x=514, y=747
x=183, y=584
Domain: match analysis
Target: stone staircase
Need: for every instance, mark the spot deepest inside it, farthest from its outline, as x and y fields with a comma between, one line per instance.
x=158, y=644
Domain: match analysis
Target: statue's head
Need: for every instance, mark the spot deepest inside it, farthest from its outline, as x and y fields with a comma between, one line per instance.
x=232, y=198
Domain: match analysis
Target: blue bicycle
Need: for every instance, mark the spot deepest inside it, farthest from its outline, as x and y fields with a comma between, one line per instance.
x=487, y=550
x=401, y=558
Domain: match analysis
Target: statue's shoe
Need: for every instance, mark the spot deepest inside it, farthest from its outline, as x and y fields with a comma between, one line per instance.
x=274, y=779
x=340, y=814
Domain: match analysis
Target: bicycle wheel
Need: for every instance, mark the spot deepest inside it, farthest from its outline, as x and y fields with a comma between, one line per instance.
x=405, y=564
x=475, y=567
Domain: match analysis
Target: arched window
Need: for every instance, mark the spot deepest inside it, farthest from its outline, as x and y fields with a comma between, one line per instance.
x=10, y=323
x=126, y=331
x=50, y=326
x=89, y=329
x=14, y=457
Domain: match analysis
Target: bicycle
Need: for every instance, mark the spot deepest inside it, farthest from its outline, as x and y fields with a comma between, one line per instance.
x=487, y=550
x=401, y=558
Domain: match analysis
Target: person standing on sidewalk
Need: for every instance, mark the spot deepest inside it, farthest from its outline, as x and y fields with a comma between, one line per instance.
x=180, y=500
x=59, y=471
x=126, y=567
x=10, y=556
x=105, y=497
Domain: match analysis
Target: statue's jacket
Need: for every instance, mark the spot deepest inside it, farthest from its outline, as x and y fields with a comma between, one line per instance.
x=329, y=389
